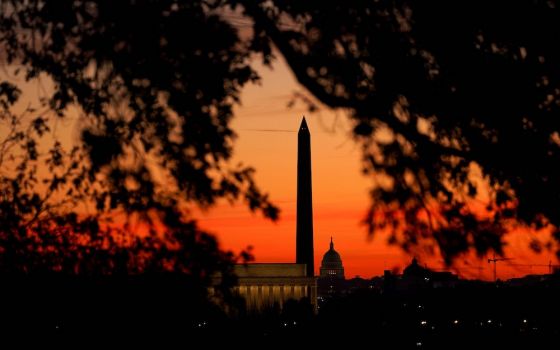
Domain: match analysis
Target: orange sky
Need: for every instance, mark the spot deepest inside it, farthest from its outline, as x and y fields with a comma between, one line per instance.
x=339, y=190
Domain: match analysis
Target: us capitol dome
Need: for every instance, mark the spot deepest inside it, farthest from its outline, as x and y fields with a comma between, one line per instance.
x=331, y=265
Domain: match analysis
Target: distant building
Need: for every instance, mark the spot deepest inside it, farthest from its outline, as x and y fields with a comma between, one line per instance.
x=331, y=265
x=331, y=280
x=416, y=277
x=358, y=283
x=269, y=286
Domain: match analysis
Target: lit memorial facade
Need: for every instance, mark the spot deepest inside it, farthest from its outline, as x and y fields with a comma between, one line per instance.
x=269, y=286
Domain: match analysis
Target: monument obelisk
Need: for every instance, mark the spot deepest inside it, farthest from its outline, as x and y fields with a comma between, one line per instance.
x=304, y=225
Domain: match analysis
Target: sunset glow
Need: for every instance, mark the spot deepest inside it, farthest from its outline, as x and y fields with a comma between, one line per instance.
x=267, y=140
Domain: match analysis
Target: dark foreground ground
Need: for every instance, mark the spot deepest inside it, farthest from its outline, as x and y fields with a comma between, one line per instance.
x=165, y=313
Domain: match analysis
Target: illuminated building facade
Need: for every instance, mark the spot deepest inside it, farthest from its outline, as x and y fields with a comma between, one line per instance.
x=269, y=286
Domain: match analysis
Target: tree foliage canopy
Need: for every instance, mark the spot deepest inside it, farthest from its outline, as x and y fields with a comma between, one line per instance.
x=453, y=104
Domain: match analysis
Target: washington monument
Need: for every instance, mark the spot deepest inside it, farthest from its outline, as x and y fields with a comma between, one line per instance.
x=304, y=226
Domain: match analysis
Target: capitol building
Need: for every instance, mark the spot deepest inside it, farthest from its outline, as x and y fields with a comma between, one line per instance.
x=331, y=265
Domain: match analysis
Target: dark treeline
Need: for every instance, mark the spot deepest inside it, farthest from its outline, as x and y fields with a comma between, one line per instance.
x=165, y=309
x=58, y=310
x=475, y=316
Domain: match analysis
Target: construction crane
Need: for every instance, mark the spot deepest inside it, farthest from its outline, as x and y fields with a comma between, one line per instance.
x=495, y=260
